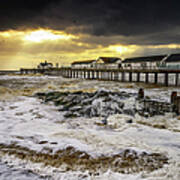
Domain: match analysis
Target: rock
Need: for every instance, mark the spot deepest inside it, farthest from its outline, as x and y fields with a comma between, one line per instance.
x=104, y=121
x=69, y=114
x=40, y=94
x=130, y=112
x=100, y=103
x=75, y=108
x=129, y=121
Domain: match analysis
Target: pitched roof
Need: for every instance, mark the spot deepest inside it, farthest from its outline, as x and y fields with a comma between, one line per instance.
x=109, y=59
x=82, y=62
x=173, y=58
x=45, y=64
x=144, y=59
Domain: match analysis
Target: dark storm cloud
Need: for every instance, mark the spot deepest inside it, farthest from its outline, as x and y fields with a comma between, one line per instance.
x=151, y=22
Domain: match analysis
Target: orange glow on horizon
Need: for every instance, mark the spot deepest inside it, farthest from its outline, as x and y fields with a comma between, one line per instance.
x=27, y=48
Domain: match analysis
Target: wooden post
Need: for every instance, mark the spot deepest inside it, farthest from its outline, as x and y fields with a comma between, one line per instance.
x=177, y=79
x=111, y=75
x=88, y=74
x=92, y=74
x=123, y=76
x=178, y=105
x=173, y=96
x=70, y=73
x=84, y=74
x=147, y=78
x=97, y=74
x=155, y=77
x=166, y=80
x=130, y=76
x=141, y=93
x=102, y=75
x=138, y=76
x=115, y=76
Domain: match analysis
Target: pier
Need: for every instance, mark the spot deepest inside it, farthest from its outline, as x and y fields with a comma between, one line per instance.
x=151, y=76
x=7, y=72
x=148, y=76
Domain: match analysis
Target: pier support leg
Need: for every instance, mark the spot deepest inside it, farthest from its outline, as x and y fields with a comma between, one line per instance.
x=88, y=74
x=97, y=74
x=147, y=78
x=130, y=77
x=111, y=75
x=84, y=74
x=115, y=76
x=138, y=77
x=166, y=80
x=92, y=74
x=155, y=78
x=70, y=73
x=123, y=76
x=177, y=79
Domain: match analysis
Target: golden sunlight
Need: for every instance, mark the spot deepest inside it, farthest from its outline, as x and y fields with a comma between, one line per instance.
x=12, y=33
x=43, y=35
x=121, y=49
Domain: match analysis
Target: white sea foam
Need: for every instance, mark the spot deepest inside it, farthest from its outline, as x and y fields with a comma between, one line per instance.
x=27, y=122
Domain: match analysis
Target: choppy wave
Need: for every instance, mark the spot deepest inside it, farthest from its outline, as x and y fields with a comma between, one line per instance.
x=71, y=159
x=83, y=148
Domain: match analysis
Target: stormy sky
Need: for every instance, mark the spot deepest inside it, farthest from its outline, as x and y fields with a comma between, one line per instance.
x=68, y=30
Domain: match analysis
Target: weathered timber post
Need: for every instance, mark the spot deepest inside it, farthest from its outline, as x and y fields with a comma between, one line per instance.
x=141, y=93
x=92, y=74
x=155, y=78
x=77, y=74
x=123, y=76
x=108, y=76
x=97, y=74
x=73, y=73
x=88, y=74
x=166, y=80
x=130, y=76
x=111, y=75
x=84, y=74
x=138, y=76
x=81, y=74
x=70, y=73
x=64, y=72
x=105, y=75
x=115, y=76
x=177, y=105
x=173, y=96
x=102, y=75
x=67, y=73
x=147, y=78
x=177, y=79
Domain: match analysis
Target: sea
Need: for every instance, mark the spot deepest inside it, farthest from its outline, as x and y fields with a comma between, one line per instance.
x=38, y=143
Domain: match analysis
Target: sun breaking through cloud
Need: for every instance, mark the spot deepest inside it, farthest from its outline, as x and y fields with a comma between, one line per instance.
x=46, y=35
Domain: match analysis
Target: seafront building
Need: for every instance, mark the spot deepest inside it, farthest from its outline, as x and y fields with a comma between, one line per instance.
x=45, y=65
x=171, y=61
